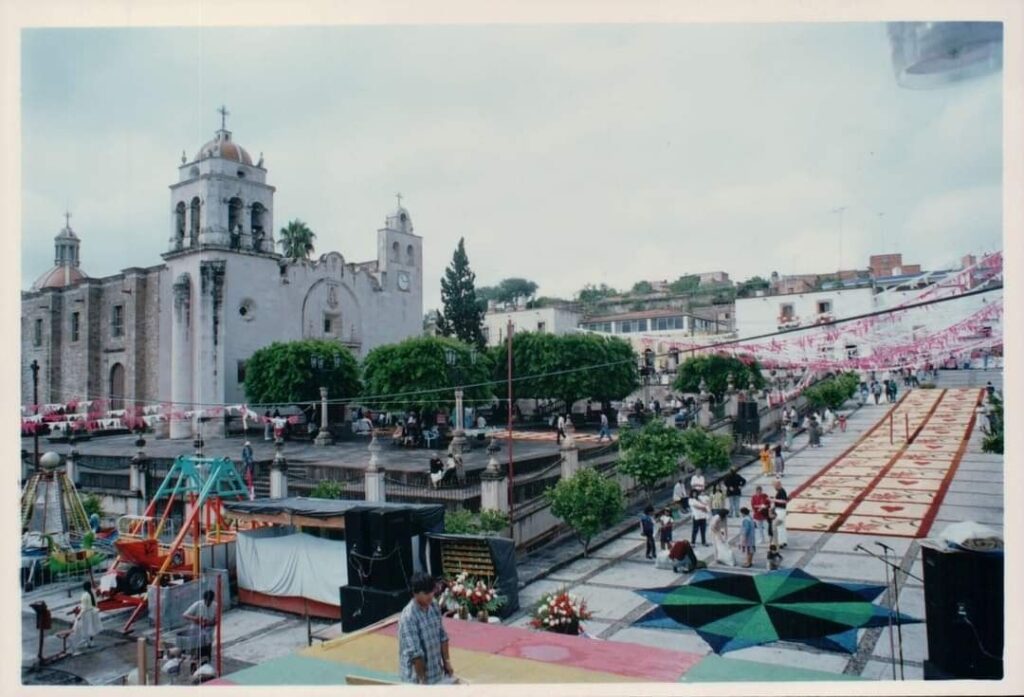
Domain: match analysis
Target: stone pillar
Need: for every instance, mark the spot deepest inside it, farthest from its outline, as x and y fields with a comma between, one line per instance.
x=181, y=359
x=459, y=437
x=570, y=457
x=278, y=472
x=373, y=482
x=209, y=324
x=71, y=466
x=704, y=419
x=494, y=483
x=731, y=400
x=323, y=438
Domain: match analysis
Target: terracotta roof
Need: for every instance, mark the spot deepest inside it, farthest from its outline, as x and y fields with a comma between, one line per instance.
x=222, y=146
x=59, y=277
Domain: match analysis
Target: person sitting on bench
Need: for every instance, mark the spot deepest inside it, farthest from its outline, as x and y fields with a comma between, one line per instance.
x=398, y=436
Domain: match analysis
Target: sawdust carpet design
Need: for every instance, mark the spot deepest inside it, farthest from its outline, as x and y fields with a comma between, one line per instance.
x=893, y=479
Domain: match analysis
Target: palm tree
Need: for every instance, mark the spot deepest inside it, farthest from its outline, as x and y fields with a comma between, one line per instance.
x=296, y=240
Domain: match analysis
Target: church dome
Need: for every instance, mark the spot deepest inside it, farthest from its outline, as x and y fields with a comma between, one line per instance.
x=222, y=146
x=59, y=277
x=65, y=271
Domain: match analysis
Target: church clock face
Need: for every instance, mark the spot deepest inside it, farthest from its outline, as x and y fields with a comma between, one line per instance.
x=403, y=280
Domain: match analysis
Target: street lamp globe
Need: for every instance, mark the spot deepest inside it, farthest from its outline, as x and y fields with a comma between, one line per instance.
x=50, y=460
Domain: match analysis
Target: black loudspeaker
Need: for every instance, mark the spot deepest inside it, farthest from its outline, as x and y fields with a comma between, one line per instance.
x=361, y=606
x=963, y=597
x=391, y=545
x=748, y=422
x=357, y=542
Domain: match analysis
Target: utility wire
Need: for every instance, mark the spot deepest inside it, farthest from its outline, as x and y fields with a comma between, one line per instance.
x=366, y=399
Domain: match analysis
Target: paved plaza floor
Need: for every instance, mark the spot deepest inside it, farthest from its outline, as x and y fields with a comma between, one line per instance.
x=609, y=578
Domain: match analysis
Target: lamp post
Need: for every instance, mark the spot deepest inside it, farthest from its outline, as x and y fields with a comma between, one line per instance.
x=319, y=364
x=35, y=400
x=452, y=360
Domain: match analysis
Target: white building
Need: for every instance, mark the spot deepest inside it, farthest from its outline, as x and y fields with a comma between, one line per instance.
x=181, y=331
x=549, y=320
x=770, y=313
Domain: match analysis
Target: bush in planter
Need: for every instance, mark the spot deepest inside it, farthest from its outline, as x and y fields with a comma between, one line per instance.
x=707, y=450
x=651, y=453
x=587, y=502
x=463, y=522
x=327, y=489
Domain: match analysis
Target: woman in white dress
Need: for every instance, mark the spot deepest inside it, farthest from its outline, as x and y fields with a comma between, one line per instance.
x=720, y=538
x=87, y=621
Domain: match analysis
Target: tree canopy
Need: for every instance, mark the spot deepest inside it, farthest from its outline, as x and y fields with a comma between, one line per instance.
x=415, y=374
x=462, y=316
x=832, y=392
x=715, y=369
x=587, y=502
x=707, y=450
x=642, y=288
x=296, y=240
x=750, y=286
x=591, y=293
x=556, y=359
x=650, y=453
x=685, y=284
x=293, y=372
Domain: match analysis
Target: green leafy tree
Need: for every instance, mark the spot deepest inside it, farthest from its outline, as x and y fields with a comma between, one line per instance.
x=462, y=316
x=555, y=361
x=832, y=392
x=750, y=286
x=650, y=454
x=416, y=375
x=642, y=288
x=327, y=489
x=591, y=293
x=715, y=369
x=993, y=441
x=516, y=290
x=706, y=450
x=587, y=502
x=294, y=371
x=486, y=522
x=685, y=284
x=296, y=240
x=546, y=301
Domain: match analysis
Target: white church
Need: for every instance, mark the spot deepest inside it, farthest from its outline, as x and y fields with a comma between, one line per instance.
x=181, y=331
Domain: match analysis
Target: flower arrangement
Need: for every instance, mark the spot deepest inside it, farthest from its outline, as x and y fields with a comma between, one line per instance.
x=470, y=596
x=561, y=613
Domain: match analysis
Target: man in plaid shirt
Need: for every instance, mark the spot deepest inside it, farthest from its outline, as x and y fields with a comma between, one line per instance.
x=422, y=641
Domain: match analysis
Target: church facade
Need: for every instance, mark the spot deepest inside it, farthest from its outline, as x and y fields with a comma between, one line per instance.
x=181, y=331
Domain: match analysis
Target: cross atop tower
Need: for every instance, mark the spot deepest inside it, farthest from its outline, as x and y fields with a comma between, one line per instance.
x=67, y=219
x=223, y=111
x=399, y=197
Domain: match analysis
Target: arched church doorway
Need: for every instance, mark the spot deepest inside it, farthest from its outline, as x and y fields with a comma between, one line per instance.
x=117, y=387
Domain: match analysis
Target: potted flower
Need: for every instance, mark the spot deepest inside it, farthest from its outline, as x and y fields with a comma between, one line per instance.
x=561, y=613
x=470, y=597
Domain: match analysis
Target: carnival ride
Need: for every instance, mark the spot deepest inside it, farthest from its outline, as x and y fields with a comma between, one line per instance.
x=54, y=526
x=153, y=551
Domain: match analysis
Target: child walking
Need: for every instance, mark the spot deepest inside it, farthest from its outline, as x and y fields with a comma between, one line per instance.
x=747, y=547
x=665, y=529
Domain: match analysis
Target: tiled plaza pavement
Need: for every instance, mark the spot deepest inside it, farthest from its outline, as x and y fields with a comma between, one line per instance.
x=608, y=578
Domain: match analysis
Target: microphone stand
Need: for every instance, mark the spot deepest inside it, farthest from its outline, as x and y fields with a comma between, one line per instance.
x=896, y=594
x=896, y=568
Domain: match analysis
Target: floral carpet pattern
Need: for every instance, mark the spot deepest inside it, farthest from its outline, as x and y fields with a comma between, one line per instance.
x=891, y=481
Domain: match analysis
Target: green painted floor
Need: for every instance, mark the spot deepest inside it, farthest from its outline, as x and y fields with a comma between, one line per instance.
x=719, y=669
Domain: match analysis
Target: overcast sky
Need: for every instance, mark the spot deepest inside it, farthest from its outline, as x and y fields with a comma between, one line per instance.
x=565, y=154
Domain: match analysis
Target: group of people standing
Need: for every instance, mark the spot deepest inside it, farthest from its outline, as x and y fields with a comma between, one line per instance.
x=709, y=514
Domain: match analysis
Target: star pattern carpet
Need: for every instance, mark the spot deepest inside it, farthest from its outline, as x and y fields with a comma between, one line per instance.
x=734, y=611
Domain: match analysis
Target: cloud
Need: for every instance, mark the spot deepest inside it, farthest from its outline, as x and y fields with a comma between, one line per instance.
x=565, y=154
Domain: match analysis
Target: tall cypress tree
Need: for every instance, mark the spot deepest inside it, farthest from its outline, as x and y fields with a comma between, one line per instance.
x=462, y=316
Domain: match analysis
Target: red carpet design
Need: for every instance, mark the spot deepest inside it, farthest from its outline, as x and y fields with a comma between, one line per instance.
x=895, y=488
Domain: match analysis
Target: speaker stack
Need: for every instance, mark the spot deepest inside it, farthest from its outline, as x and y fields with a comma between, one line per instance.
x=379, y=543
x=748, y=421
x=963, y=596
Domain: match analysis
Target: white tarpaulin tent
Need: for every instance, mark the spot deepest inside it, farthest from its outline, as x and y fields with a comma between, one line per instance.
x=278, y=561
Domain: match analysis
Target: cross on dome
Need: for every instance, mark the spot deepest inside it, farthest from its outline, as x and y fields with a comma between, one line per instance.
x=223, y=111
